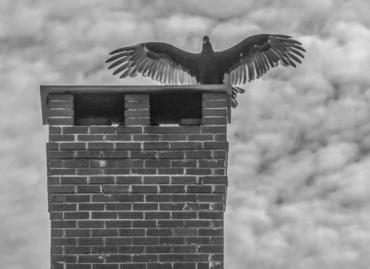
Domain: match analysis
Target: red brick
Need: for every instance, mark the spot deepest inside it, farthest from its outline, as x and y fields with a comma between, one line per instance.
x=183, y=215
x=77, y=250
x=171, y=154
x=90, y=259
x=101, y=180
x=128, y=145
x=156, y=180
x=137, y=121
x=158, y=249
x=144, y=189
x=184, y=180
x=63, y=241
x=214, y=112
x=183, y=163
x=102, y=130
x=61, y=137
x=72, y=145
x=61, y=189
x=104, y=215
x=88, y=189
x=185, y=232
x=104, y=249
x=90, y=171
x=173, y=137
x=76, y=215
x=55, y=130
x=214, y=95
x=201, y=137
x=211, y=232
x=60, y=104
x=137, y=105
x=116, y=171
x=90, y=137
x=60, y=120
x=73, y=180
x=156, y=145
x=117, y=206
x=62, y=207
x=137, y=112
x=63, y=224
x=130, y=215
x=100, y=145
x=118, y=258
x=104, y=232
x=185, y=145
x=90, y=241
x=159, y=232
x=170, y=171
x=144, y=258
x=172, y=240
x=117, y=223
x=157, y=215
x=132, y=232
x=77, y=198
x=129, y=130
x=213, y=129
x=171, y=189
x=170, y=223
x=128, y=180
x=143, y=224
x=90, y=206
x=118, y=241
x=198, y=171
x=116, y=154
x=215, y=103
x=145, y=206
x=129, y=163
x=118, y=137
x=90, y=224
x=157, y=163
x=75, y=130
x=213, y=180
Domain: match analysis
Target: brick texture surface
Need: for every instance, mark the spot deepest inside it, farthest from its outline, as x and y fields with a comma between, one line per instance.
x=137, y=196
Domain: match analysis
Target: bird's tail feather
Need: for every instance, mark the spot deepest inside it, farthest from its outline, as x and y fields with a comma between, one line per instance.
x=234, y=92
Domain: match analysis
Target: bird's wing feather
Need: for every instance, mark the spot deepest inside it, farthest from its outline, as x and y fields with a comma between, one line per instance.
x=255, y=55
x=160, y=61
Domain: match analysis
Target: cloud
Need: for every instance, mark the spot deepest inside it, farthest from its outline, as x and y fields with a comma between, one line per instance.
x=299, y=162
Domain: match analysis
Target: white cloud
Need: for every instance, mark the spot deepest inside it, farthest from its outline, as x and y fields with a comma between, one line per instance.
x=300, y=139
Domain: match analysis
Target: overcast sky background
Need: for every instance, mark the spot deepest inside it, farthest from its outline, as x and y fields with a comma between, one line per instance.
x=299, y=163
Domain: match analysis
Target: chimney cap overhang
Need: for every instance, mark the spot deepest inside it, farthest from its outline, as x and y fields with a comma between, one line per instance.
x=45, y=90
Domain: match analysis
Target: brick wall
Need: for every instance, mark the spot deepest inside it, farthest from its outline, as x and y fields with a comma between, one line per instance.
x=137, y=196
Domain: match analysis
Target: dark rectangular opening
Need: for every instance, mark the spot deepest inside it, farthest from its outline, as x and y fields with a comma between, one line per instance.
x=182, y=108
x=98, y=108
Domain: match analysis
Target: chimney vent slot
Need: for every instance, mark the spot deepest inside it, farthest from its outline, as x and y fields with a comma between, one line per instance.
x=182, y=108
x=98, y=108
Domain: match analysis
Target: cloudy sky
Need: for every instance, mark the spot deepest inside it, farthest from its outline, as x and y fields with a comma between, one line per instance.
x=299, y=167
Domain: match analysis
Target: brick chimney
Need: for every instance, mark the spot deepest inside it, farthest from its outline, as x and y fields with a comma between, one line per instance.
x=137, y=176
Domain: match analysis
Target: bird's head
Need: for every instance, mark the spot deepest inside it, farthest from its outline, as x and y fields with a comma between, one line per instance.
x=205, y=39
x=207, y=46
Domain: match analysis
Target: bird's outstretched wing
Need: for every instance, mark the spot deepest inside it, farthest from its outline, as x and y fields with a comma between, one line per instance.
x=160, y=61
x=255, y=55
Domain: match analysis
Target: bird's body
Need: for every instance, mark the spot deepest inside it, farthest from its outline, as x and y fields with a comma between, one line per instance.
x=247, y=60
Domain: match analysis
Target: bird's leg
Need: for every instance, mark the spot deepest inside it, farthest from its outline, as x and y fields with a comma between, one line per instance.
x=232, y=89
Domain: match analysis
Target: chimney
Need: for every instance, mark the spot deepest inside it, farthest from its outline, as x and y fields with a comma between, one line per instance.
x=137, y=176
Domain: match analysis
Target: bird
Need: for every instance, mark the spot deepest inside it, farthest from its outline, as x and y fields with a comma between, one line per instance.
x=246, y=61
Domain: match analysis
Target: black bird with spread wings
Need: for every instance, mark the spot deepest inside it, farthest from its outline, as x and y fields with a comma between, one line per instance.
x=247, y=60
